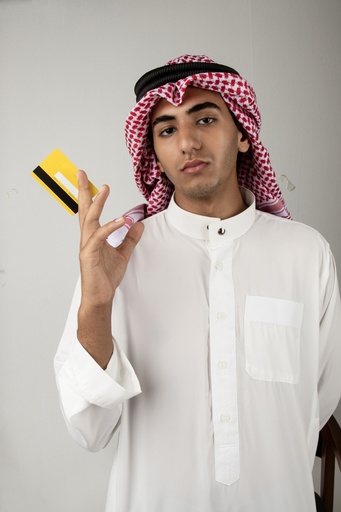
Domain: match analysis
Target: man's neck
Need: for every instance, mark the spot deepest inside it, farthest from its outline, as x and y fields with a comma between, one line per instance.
x=212, y=207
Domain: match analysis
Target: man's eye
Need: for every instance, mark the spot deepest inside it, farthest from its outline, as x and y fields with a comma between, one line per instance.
x=166, y=132
x=206, y=120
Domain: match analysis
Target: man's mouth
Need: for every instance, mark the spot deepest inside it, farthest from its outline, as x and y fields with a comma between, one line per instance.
x=193, y=166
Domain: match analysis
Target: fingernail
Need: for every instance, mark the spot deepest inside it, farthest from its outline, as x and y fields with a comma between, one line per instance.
x=119, y=219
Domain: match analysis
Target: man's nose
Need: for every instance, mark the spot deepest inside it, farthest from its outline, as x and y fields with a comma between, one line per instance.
x=189, y=139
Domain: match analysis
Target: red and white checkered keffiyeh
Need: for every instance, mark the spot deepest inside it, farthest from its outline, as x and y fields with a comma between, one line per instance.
x=254, y=172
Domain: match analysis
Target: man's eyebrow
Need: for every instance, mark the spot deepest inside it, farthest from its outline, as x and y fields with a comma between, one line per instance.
x=162, y=119
x=192, y=110
x=202, y=106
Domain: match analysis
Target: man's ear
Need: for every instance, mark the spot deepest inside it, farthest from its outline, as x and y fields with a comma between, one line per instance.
x=243, y=141
x=159, y=166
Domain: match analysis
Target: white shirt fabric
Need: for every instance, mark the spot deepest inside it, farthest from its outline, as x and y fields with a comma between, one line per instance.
x=231, y=329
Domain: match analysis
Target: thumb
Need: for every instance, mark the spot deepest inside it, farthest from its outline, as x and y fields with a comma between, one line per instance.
x=131, y=240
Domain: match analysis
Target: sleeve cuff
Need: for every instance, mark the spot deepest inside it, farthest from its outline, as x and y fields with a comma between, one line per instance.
x=104, y=388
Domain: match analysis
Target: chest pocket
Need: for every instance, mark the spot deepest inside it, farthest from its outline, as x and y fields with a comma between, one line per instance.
x=272, y=338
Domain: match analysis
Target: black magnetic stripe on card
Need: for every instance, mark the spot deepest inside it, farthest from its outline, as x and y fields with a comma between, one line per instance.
x=56, y=189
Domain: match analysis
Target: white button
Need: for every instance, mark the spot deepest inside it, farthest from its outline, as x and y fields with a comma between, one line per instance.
x=221, y=315
x=224, y=418
x=222, y=365
x=219, y=265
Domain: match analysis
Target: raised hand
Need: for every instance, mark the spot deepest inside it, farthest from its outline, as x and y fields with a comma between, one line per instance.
x=102, y=270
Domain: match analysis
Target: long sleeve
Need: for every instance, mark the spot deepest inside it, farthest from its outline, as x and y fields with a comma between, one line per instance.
x=330, y=343
x=91, y=398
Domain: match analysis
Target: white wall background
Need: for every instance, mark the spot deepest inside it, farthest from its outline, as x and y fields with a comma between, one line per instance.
x=67, y=73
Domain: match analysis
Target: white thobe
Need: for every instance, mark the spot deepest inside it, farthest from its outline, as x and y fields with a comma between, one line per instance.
x=231, y=330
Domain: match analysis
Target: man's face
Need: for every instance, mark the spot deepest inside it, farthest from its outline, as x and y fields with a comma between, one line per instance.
x=196, y=145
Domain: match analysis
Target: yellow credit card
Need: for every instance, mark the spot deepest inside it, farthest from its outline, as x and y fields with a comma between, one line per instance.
x=58, y=175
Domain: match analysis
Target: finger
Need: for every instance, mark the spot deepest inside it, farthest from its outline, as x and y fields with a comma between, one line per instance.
x=101, y=234
x=85, y=200
x=131, y=240
x=90, y=214
x=84, y=195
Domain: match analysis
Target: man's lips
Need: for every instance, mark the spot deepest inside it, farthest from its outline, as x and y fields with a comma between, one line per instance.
x=193, y=166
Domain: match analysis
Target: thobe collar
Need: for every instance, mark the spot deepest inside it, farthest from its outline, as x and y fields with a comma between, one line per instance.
x=211, y=229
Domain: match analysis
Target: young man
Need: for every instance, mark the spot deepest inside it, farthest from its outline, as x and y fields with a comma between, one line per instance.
x=225, y=317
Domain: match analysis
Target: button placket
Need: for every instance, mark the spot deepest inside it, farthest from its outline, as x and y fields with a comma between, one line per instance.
x=223, y=366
